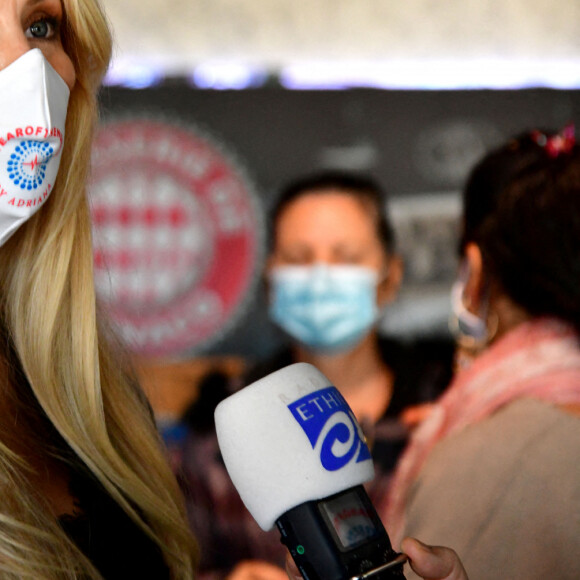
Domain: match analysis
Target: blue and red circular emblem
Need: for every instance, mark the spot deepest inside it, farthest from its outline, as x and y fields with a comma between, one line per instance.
x=177, y=231
x=27, y=165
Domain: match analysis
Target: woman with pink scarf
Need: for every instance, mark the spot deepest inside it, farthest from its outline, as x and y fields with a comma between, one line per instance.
x=494, y=472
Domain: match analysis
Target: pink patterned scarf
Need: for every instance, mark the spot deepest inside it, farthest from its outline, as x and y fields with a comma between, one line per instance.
x=538, y=359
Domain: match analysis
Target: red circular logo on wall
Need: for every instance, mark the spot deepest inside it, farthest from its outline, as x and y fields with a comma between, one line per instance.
x=177, y=232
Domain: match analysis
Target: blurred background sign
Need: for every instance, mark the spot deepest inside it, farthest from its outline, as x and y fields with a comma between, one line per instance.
x=177, y=233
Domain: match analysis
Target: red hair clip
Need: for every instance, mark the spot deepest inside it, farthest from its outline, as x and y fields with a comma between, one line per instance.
x=554, y=145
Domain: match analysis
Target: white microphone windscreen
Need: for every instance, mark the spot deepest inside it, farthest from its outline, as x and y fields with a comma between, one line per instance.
x=290, y=438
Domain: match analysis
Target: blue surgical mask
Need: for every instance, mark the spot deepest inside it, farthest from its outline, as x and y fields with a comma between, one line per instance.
x=327, y=308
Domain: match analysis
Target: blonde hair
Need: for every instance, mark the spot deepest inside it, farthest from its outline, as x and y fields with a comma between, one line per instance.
x=49, y=317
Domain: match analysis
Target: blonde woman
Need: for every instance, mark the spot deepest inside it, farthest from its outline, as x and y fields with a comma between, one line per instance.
x=85, y=491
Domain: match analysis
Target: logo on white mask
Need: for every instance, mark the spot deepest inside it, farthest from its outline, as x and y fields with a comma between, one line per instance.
x=33, y=105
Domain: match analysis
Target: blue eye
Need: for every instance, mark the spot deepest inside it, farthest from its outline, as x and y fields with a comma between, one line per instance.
x=42, y=28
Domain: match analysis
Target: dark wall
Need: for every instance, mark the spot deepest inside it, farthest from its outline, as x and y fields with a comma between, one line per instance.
x=280, y=133
x=414, y=142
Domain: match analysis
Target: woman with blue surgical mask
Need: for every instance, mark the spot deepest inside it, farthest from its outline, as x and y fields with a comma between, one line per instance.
x=331, y=270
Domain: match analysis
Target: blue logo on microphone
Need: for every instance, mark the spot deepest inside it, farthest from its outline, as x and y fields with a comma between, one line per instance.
x=330, y=425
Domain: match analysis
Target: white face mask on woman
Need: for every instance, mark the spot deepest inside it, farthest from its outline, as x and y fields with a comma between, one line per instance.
x=33, y=105
x=326, y=308
x=470, y=329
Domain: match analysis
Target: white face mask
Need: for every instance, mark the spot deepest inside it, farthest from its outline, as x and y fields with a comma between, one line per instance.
x=469, y=329
x=33, y=104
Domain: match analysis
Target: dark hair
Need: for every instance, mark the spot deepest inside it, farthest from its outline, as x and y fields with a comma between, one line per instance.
x=357, y=186
x=521, y=205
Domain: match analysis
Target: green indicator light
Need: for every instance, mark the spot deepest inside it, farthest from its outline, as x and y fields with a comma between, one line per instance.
x=300, y=549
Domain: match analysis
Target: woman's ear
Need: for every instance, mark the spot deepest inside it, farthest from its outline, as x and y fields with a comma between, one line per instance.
x=474, y=288
x=388, y=286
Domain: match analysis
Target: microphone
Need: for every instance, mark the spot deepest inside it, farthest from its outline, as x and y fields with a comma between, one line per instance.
x=298, y=458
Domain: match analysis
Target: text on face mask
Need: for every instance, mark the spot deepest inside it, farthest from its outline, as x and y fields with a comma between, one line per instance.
x=29, y=131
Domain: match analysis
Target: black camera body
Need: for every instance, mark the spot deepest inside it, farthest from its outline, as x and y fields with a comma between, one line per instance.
x=340, y=537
